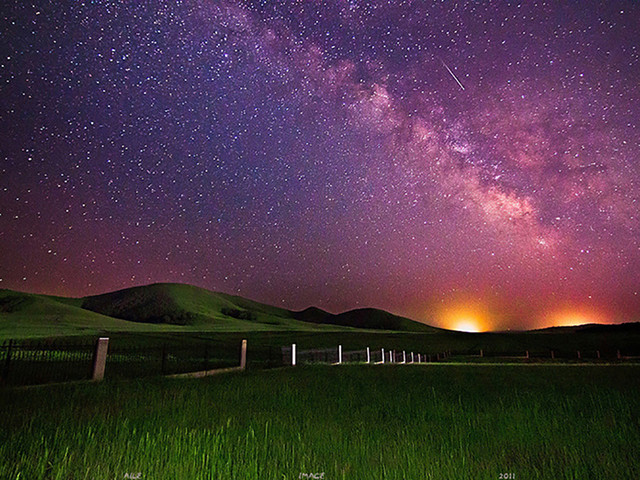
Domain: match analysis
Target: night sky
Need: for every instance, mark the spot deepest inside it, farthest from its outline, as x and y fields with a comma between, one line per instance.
x=435, y=159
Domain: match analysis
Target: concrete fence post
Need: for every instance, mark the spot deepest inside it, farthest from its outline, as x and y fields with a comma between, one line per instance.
x=404, y=356
x=418, y=358
x=100, y=359
x=339, y=353
x=243, y=355
x=382, y=350
x=526, y=354
x=293, y=354
x=368, y=355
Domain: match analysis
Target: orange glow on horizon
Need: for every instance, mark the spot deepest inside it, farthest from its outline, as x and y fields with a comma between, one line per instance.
x=570, y=317
x=469, y=317
x=466, y=324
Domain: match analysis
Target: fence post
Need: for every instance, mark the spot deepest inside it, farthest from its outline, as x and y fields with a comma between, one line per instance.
x=578, y=354
x=100, y=359
x=618, y=354
x=481, y=353
x=526, y=354
x=293, y=354
x=339, y=353
x=368, y=355
x=382, y=350
x=404, y=356
x=598, y=352
x=419, y=358
x=553, y=355
x=243, y=355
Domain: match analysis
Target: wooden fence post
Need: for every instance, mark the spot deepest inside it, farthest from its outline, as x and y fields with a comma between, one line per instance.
x=368, y=355
x=243, y=355
x=100, y=359
x=293, y=354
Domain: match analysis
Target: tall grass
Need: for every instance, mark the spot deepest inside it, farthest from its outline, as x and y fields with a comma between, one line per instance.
x=350, y=422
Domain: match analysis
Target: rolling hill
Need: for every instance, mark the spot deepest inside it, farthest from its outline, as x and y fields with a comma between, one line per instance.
x=363, y=318
x=175, y=307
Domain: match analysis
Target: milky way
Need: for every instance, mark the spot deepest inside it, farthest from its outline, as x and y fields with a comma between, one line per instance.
x=406, y=155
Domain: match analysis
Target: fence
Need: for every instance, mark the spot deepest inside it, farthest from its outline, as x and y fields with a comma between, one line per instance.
x=291, y=355
x=39, y=362
x=28, y=362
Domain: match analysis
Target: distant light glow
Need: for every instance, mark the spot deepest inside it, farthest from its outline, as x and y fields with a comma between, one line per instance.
x=465, y=315
x=572, y=319
x=573, y=316
x=470, y=325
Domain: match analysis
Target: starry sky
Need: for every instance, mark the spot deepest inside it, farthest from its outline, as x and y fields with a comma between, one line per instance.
x=430, y=158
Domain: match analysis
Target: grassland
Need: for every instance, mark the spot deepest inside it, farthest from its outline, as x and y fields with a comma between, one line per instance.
x=350, y=422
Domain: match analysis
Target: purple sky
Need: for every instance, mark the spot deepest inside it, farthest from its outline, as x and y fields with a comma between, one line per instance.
x=419, y=157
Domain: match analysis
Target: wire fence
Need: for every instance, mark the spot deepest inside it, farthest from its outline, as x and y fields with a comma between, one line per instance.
x=335, y=355
x=133, y=361
x=28, y=363
x=293, y=356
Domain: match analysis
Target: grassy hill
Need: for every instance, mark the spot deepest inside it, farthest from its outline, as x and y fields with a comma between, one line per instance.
x=29, y=315
x=631, y=327
x=169, y=307
x=363, y=318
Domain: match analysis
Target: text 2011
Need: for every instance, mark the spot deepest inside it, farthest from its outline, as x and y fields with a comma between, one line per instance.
x=507, y=476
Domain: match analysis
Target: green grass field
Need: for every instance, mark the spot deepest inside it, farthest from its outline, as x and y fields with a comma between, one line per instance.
x=350, y=422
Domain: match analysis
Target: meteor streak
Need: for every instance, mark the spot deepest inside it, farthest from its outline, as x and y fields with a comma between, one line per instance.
x=452, y=74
